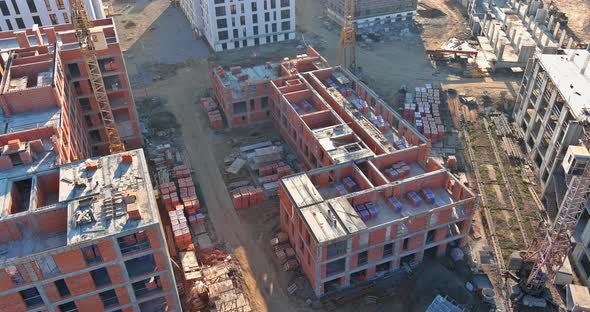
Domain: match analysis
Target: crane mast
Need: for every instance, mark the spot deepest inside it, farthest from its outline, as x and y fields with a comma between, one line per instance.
x=547, y=255
x=83, y=31
x=347, y=48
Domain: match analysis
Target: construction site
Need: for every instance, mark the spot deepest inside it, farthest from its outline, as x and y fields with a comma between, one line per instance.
x=339, y=155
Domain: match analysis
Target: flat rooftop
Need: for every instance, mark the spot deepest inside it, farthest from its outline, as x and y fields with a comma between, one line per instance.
x=573, y=85
x=50, y=117
x=99, y=199
x=255, y=73
x=80, y=201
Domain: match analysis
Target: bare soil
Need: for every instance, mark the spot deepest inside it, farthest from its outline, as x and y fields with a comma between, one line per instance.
x=577, y=12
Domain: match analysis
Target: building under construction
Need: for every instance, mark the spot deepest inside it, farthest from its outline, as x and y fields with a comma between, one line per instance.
x=552, y=111
x=372, y=200
x=83, y=236
x=374, y=12
x=43, y=69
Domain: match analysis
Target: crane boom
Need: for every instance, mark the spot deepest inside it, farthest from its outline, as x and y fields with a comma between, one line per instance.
x=347, y=48
x=548, y=255
x=82, y=26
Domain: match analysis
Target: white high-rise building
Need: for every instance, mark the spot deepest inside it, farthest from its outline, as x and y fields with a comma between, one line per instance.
x=230, y=24
x=23, y=14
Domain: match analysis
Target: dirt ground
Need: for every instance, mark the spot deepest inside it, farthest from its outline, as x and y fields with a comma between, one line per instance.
x=577, y=12
x=165, y=60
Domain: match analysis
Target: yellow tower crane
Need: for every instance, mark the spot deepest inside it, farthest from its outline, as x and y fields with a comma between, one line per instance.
x=347, y=49
x=90, y=42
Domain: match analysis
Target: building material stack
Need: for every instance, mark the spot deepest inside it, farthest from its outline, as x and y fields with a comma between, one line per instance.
x=215, y=120
x=426, y=114
x=284, y=252
x=182, y=235
x=247, y=196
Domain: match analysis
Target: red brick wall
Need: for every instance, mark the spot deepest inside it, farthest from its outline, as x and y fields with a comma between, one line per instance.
x=376, y=237
x=12, y=302
x=90, y=303
x=116, y=274
x=107, y=250
x=122, y=295
x=70, y=261
x=80, y=284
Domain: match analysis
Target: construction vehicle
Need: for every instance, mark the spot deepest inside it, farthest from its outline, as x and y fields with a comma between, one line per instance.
x=92, y=40
x=540, y=263
x=347, y=48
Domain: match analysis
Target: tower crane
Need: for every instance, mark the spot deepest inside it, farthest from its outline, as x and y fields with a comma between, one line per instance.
x=88, y=47
x=542, y=260
x=347, y=48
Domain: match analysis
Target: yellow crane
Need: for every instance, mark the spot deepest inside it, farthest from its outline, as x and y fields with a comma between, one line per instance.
x=88, y=46
x=347, y=48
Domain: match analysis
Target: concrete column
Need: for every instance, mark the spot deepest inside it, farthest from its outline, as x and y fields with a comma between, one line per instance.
x=550, y=23
x=562, y=38
x=518, y=41
x=556, y=30
x=518, y=8
x=484, y=21
x=541, y=16
x=547, y=40
x=496, y=42
x=501, y=50
x=545, y=120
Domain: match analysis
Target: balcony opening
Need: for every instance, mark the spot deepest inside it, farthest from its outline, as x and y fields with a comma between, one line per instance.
x=358, y=277
x=133, y=243
x=383, y=267
x=91, y=254
x=74, y=70
x=408, y=259
x=362, y=258
x=430, y=236
x=62, y=288
x=335, y=267
x=154, y=305
x=147, y=286
x=109, y=298
x=332, y=285
x=336, y=249
x=31, y=297
x=20, y=196
x=100, y=277
x=47, y=190
x=68, y=307
x=140, y=265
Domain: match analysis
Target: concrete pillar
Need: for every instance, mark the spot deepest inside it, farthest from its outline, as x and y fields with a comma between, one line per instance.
x=485, y=20
x=570, y=43
x=550, y=23
x=501, y=50
x=496, y=41
x=562, y=38
x=518, y=8
x=556, y=30
x=541, y=16
x=518, y=42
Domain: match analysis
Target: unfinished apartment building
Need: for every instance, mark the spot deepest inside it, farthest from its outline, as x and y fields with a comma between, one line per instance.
x=59, y=49
x=23, y=14
x=83, y=236
x=511, y=32
x=372, y=199
x=374, y=12
x=553, y=110
x=232, y=24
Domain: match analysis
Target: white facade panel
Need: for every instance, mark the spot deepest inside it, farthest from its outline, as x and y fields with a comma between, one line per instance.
x=235, y=24
x=23, y=14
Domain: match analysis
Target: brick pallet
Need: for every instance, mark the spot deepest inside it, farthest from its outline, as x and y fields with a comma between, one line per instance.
x=247, y=196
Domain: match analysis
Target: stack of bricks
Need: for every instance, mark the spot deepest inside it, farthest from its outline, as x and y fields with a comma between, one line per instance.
x=214, y=115
x=182, y=235
x=427, y=115
x=398, y=171
x=169, y=195
x=188, y=196
x=274, y=171
x=247, y=196
x=181, y=171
